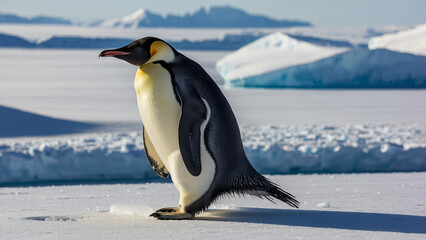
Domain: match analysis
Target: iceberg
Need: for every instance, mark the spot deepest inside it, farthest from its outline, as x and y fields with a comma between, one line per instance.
x=409, y=41
x=279, y=61
x=270, y=53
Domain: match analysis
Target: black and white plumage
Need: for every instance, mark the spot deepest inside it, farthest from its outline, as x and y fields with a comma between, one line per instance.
x=190, y=131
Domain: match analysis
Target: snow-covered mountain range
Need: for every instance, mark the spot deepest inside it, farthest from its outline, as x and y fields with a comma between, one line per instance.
x=215, y=17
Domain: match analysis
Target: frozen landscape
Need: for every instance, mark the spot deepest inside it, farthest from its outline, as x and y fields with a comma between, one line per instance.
x=368, y=145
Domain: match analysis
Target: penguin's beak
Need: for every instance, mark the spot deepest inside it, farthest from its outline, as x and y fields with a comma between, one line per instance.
x=113, y=53
x=131, y=53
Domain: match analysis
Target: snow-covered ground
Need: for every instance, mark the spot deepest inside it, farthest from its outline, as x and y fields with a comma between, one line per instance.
x=353, y=206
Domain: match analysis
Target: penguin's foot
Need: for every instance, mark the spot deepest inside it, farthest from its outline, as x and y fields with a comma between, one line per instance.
x=171, y=213
x=168, y=209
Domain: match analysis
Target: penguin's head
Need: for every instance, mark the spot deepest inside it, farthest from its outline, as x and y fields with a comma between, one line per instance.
x=143, y=51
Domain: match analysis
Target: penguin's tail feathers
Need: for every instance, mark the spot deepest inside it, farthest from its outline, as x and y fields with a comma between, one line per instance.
x=257, y=185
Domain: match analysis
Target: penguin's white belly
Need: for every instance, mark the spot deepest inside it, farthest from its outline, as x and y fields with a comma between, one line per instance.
x=160, y=113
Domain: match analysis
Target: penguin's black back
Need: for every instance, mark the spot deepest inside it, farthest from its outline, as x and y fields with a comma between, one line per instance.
x=222, y=134
x=234, y=173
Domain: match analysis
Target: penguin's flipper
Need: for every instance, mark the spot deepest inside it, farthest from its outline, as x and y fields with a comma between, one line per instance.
x=194, y=113
x=153, y=157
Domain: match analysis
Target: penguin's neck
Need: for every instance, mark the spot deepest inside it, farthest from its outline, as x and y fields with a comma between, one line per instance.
x=143, y=79
x=153, y=80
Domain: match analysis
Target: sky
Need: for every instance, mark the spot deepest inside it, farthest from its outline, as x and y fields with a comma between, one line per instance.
x=319, y=12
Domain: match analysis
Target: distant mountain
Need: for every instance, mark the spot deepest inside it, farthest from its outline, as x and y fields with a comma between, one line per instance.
x=215, y=17
x=12, y=18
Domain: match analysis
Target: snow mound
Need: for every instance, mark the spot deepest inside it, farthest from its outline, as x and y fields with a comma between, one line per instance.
x=126, y=209
x=272, y=150
x=408, y=41
x=272, y=52
x=323, y=205
x=129, y=21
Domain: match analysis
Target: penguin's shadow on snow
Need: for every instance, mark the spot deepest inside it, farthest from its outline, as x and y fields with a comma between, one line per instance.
x=323, y=219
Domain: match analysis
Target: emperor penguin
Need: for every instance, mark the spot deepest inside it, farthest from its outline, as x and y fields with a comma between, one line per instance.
x=190, y=131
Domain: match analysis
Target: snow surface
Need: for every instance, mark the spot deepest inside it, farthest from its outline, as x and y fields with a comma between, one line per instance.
x=271, y=150
x=360, y=206
x=408, y=41
x=270, y=53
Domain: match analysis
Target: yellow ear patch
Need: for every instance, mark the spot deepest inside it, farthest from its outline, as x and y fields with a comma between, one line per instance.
x=160, y=51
